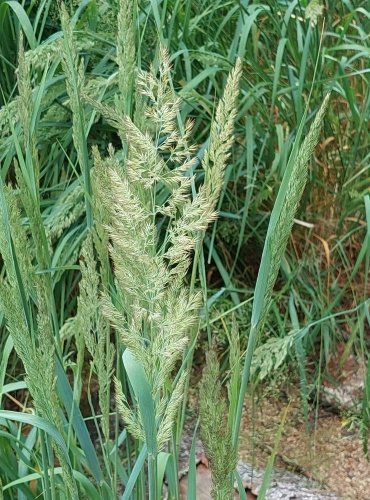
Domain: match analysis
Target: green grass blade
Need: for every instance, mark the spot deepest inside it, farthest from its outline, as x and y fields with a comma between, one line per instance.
x=278, y=231
x=41, y=424
x=192, y=473
x=78, y=423
x=163, y=460
x=142, y=390
x=4, y=363
x=12, y=387
x=24, y=22
x=139, y=463
x=241, y=489
x=268, y=471
x=89, y=488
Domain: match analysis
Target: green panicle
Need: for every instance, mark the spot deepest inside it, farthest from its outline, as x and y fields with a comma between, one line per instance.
x=215, y=430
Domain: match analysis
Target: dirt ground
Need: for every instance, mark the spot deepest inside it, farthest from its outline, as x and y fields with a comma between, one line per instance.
x=328, y=451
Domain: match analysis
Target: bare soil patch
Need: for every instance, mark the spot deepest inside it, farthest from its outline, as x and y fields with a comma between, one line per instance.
x=326, y=450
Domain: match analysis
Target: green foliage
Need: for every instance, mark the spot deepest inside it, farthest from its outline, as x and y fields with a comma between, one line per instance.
x=106, y=207
x=24, y=302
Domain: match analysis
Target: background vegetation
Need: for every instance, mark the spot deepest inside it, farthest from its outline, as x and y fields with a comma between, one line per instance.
x=60, y=111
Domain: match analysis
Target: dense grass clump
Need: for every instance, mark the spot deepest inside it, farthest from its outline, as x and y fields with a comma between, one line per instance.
x=153, y=200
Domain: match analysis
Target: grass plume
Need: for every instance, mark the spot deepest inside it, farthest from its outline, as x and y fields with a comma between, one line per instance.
x=152, y=308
